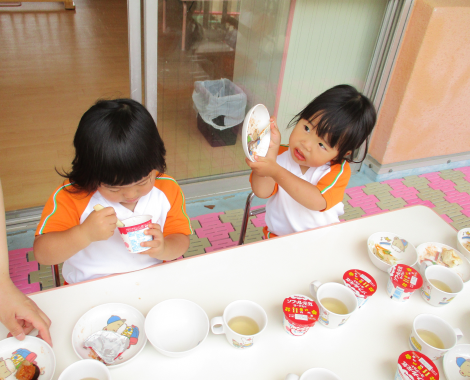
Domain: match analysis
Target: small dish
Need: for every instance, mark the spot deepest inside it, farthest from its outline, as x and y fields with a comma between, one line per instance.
x=86, y=369
x=176, y=327
x=256, y=132
x=463, y=242
x=121, y=318
x=401, y=249
x=34, y=350
x=432, y=252
x=456, y=362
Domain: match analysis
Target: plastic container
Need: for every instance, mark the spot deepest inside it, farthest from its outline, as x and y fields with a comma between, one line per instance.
x=300, y=313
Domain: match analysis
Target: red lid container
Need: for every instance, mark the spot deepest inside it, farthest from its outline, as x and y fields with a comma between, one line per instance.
x=361, y=283
x=417, y=366
x=405, y=277
x=300, y=310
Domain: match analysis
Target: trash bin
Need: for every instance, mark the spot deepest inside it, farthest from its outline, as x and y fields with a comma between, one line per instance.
x=221, y=109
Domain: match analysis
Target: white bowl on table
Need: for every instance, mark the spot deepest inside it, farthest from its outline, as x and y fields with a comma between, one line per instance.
x=401, y=249
x=176, y=327
x=463, y=236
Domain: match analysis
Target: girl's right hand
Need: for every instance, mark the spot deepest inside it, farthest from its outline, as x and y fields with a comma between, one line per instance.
x=100, y=225
x=275, y=134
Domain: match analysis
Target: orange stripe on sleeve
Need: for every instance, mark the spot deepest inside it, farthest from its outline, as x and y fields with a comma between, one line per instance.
x=333, y=184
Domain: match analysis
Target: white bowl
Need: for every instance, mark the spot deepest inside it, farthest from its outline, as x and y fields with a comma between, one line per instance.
x=176, y=327
x=463, y=236
x=259, y=116
x=401, y=249
x=86, y=369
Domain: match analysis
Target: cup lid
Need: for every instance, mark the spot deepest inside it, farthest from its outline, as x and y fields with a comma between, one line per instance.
x=417, y=366
x=300, y=310
x=360, y=282
x=405, y=277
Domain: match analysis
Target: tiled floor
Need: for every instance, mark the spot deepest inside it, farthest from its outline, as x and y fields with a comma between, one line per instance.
x=447, y=192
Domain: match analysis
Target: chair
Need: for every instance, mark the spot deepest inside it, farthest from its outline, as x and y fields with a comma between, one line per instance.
x=56, y=275
x=246, y=215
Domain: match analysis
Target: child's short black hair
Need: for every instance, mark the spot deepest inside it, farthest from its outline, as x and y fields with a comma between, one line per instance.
x=116, y=143
x=343, y=117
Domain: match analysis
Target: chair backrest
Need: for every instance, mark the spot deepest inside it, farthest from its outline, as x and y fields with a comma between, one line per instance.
x=246, y=215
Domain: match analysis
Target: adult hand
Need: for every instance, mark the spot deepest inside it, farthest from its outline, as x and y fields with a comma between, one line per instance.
x=21, y=315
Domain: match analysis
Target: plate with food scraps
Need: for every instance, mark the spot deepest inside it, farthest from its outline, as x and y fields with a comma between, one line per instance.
x=387, y=249
x=116, y=328
x=456, y=362
x=463, y=242
x=31, y=358
x=441, y=254
x=256, y=133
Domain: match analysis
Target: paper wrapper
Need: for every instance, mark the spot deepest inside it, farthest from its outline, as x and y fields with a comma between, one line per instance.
x=108, y=345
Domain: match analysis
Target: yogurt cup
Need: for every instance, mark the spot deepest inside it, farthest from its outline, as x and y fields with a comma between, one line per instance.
x=403, y=281
x=300, y=313
x=416, y=366
x=133, y=232
x=361, y=283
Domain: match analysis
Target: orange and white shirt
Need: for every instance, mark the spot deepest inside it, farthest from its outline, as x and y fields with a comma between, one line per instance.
x=284, y=215
x=64, y=210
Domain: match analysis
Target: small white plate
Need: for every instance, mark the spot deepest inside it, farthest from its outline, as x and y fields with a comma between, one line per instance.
x=457, y=361
x=120, y=318
x=432, y=252
x=400, y=248
x=463, y=238
x=256, y=132
x=35, y=350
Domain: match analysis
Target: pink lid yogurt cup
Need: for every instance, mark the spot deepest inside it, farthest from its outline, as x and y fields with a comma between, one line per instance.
x=403, y=281
x=361, y=283
x=414, y=365
x=133, y=232
x=300, y=313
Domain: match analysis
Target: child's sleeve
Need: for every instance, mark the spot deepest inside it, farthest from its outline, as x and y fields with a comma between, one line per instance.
x=333, y=184
x=62, y=211
x=177, y=221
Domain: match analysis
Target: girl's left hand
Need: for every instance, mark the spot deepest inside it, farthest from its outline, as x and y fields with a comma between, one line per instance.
x=157, y=245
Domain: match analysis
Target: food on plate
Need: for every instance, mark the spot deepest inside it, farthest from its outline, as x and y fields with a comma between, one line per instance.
x=254, y=135
x=106, y=346
x=27, y=371
x=384, y=255
x=467, y=245
x=450, y=258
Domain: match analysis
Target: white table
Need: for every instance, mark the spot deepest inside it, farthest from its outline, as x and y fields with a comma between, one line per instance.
x=366, y=347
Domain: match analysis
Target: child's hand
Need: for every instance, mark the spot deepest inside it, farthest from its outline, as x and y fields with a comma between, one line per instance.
x=275, y=135
x=100, y=225
x=264, y=166
x=157, y=245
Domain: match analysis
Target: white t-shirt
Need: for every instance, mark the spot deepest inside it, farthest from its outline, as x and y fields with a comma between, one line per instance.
x=63, y=210
x=284, y=215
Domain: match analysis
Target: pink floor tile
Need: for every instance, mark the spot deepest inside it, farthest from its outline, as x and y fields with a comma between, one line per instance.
x=446, y=218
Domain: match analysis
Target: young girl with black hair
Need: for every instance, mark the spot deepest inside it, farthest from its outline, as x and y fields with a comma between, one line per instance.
x=119, y=163
x=306, y=180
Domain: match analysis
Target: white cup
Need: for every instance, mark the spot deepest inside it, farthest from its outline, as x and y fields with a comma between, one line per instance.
x=314, y=374
x=333, y=290
x=448, y=335
x=219, y=325
x=86, y=368
x=435, y=296
x=133, y=232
